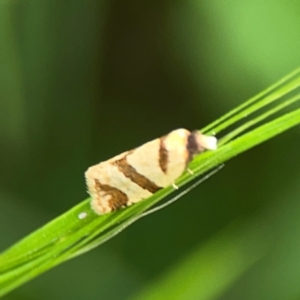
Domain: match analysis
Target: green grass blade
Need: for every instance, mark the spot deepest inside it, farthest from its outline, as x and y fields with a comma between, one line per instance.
x=254, y=104
x=70, y=235
x=262, y=117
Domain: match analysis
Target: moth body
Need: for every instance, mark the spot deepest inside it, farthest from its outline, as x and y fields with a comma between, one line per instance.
x=137, y=174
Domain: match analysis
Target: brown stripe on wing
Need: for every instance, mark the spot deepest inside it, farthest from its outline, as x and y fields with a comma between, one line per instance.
x=192, y=146
x=117, y=199
x=131, y=173
x=163, y=155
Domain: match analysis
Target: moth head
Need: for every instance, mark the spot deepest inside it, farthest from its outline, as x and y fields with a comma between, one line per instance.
x=198, y=142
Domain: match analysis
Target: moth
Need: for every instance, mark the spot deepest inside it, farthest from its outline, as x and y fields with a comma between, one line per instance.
x=137, y=174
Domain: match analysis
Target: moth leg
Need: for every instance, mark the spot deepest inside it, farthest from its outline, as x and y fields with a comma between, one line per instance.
x=175, y=186
x=190, y=171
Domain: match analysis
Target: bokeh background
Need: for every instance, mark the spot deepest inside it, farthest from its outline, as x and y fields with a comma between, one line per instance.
x=83, y=80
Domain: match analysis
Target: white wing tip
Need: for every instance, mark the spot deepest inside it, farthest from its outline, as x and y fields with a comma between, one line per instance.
x=207, y=142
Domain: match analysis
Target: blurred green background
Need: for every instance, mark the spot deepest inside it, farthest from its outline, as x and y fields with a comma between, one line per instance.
x=83, y=80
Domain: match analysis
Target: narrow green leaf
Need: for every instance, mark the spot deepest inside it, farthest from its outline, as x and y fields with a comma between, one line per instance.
x=80, y=229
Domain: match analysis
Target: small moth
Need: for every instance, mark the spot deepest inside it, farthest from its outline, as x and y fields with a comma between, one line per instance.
x=137, y=174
